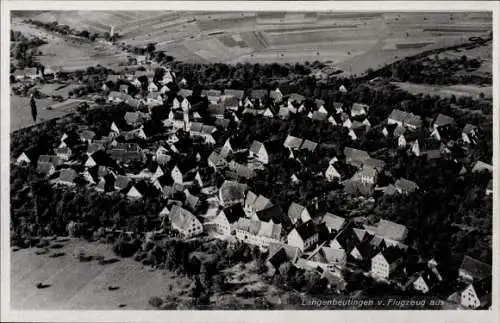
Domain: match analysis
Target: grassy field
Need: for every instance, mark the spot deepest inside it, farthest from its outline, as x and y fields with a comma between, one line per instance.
x=446, y=90
x=352, y=41
x=84, y=285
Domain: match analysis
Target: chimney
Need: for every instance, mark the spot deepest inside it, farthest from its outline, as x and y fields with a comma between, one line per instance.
x=112, y=31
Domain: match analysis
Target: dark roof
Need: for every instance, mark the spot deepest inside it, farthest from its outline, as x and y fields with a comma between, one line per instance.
x=274, y=213
x=483, y=287
x=306, y=230
x=67, y=175
x=476, y=268
x=391, y=254
x=365, y=249
x=234, y=213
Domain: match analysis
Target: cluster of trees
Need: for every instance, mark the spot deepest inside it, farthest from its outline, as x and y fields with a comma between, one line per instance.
x=24, y=49
x=54, y=26
x=440, y=71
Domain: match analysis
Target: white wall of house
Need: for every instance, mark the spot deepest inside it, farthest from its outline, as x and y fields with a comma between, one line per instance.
x=380, y=267
x=295, y=240
x=420, y=285
x=469, y=299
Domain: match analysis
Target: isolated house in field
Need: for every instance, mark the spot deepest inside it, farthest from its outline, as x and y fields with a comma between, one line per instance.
x=477, y=294
x=481, y=166
x=359, y=109
x=473, y=270
x=67, y=177
x=303, y=236
x=298, y=212
x=386, y=262
x=405, y=186
x=469, y=134
x=331, y=173
x=185, y=222
x=292, y=142
x=259, y=152
x=232, y=192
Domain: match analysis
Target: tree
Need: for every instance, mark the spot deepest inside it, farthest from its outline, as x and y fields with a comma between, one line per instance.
x=155, y=301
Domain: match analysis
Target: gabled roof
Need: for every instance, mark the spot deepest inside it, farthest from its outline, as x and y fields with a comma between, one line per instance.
x=296, y=97
x=44, y=168
x=355, y=155
x=475, y=268
x=234, y=213
x=51, y=159
x=406, y=185
x=180, y=217
x=132, y=117
x=333, y=222
x=359, y=107
x=67, y=175
x=306, y=230
x=480, y=166
x=309, y=145
x=443, y=120
x=398, y=115
x=256, y=146
x=391, y=230
x=468, y=128
x=87, y=135
x=292, y=142
x=258, y=94
x=250, y=198
x=231, y=190
x=121, y=182
x=295, y=210
x=274, y=213
x=391, y=254
x=319, y=116
x=261, y=203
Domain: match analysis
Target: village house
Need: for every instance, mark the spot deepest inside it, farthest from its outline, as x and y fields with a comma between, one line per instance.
x=480, y=166
x=117, y=97
x=430, y=148
x=216, y=161
x=185, y=222
x=405, y=186
x=45, y=168
x=304, y=236
x=386, y=262
x=477, y=294
x=254, y=204
x=295, y=99
x=355, y=157
x=257, y=232
x=469, y=134
x=473, y=270
x=298, y=212
x=388, y=229
x=309, y=145
x=292, y=142
x=259, y=152
x=137, y=191
x=67, y=177
x=333, y=258
x=276, y=95
x=87, y=136
x=223, y=222
x=52, y=159
x=333, y=223
x=359, y=109
x=231, y=192
x=63, y=153
x=331, y=173
x=425, y=280
x=24, y=158
x=279, y=253
x=404, y=119
x=154, y=99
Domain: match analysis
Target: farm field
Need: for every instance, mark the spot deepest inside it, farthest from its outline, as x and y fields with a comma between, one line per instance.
x=446, y=90
x=353, y=42
x=84, y=285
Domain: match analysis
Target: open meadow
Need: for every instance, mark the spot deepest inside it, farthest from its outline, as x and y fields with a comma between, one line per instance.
x=353, y=42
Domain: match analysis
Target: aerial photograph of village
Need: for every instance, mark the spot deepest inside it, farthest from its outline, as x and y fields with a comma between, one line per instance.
x=203, y=160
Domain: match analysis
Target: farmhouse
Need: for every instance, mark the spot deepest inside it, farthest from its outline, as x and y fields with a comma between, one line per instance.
x=359, y=109
x=386, y=262
x=477, y=294
x=257, y=232
x=254, y=204
x=280, y=253
x=231, y=193
x=473, y=270
x=388, y=229
x=259, y=152
x=333, y=258
x=303, y=236
x=292, y=142
x=222, y=223
x=333, y=222
x=185, y=222
x=66, y=177
x=298, y=212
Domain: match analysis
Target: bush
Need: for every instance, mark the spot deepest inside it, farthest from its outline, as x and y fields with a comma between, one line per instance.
x=124, y=249
x=155, y=301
